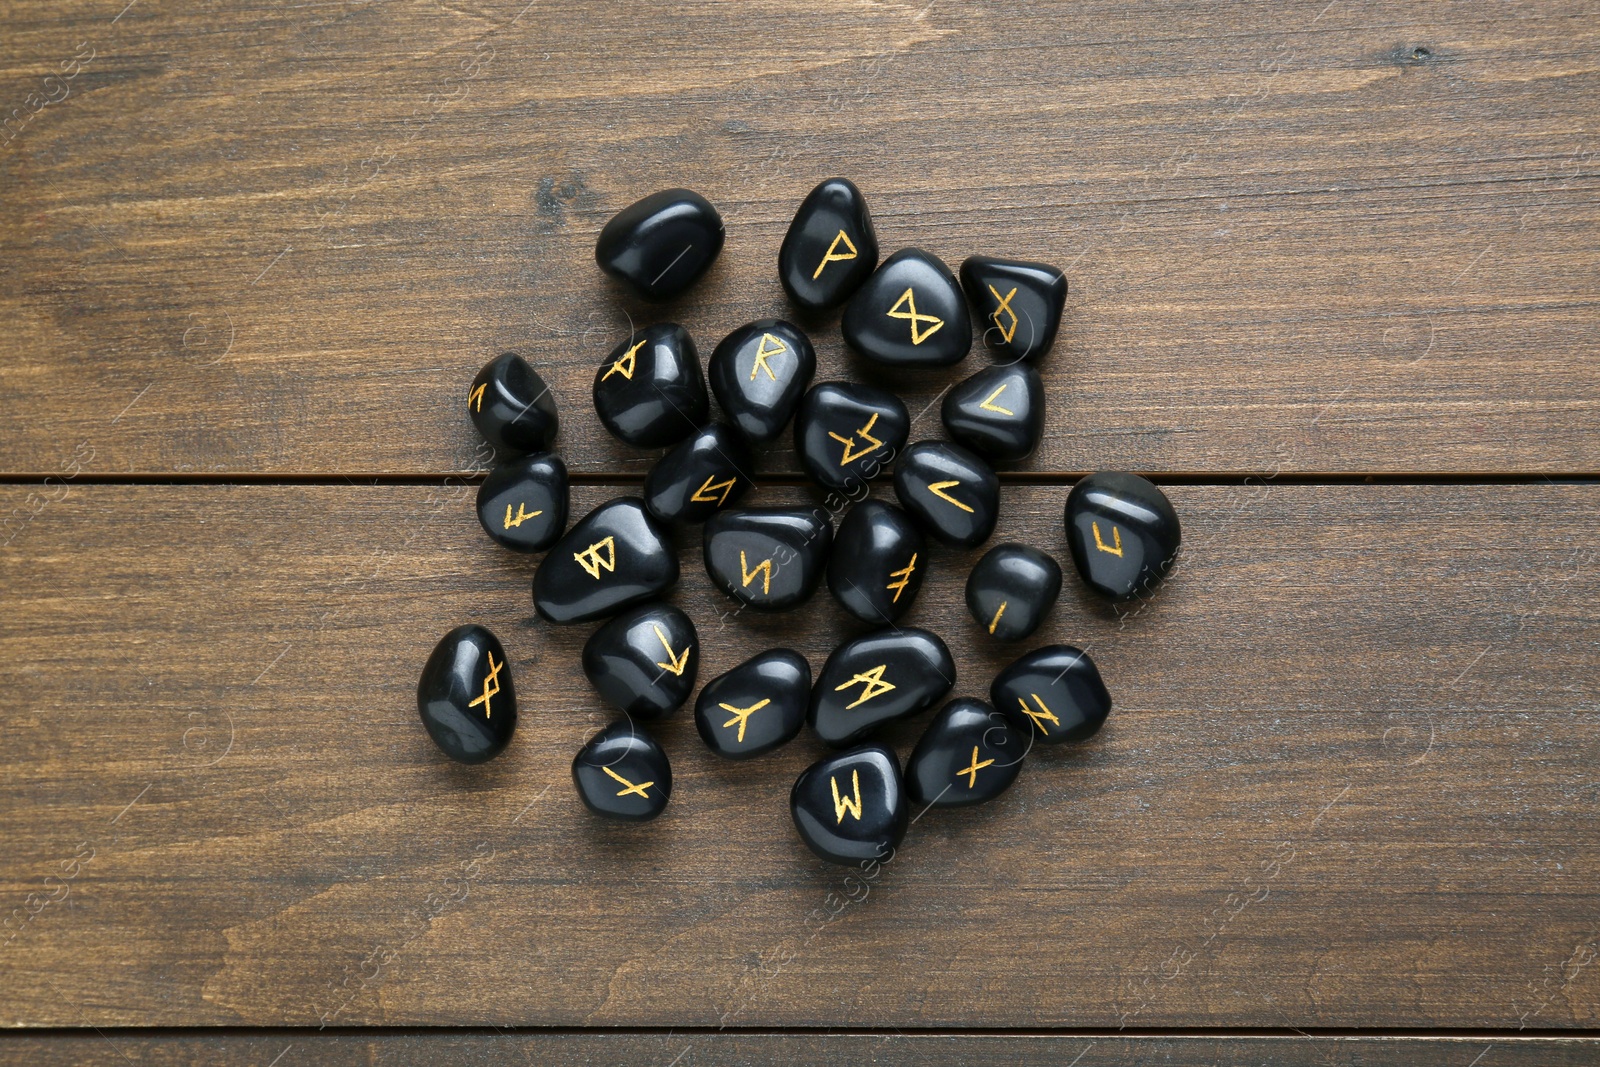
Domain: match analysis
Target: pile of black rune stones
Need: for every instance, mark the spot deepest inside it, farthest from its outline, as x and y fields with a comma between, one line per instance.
x=617, y=561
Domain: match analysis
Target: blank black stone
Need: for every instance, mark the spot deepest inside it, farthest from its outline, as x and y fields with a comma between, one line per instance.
x=756, y=707
x=1055, y=693
x=830, y=248
x=649, y=391
x=465, y=695
x=998, y=412
x=616, y=556
x=910, y=313
x=848, y=434
x=622, y=773
x=878, y=561
x=759, y=372
x=662, y=244
x=1011, y=590
x=952, y=493
x=512, y=407
x=969, y=753
x=522, y=504
x=643, y=661
x=768, y=558
x=702, y=474
x=1123, y=533
x=1018, y=304
x=851, y=808
x=877, y=678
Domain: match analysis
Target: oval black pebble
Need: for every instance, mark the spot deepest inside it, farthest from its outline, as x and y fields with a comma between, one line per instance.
x=662, y=244
x=969, y=753
x=615, y=556
x=951, y=492
x=910, y=313
x=848, y=434
x=644, y=660
x=650, y=391
x=522, y=504
x=830, y=248
x=622, y=773
x=1123, y=533
x=512, y=407
x=998, y=412
x=465, y=695
x=1011, y=590
x=851, y=808
x=759, y=372
x=768, y=558
x=703, y=474
x=756, y=707
x=1054, y=692
x=1018, y=304
x=878, y=561
x=878, y=678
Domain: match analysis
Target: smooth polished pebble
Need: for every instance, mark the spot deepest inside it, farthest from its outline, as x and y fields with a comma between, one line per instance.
x=952, y=493
x=465, y=695
x=614, y=557
x=1123, y=533
x=851, y=808
x=848, y=434
x=910, y=313
x=1018, y=304
x=622, y=773
x=649, y=391
x=998, y=412
x=878, y=678
x=758, y=706
x=759, y=372
x=1011, y=590
x=969, y=753
x=1055, y=693
x=830, y=248
x=512, y=407
x=644, y=660
x=702, y=474
x=522, y=504
x=768, y=558
x=878, y=561
x=662, y=244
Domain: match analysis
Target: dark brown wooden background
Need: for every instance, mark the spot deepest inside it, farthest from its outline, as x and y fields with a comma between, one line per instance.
x=1334, y=282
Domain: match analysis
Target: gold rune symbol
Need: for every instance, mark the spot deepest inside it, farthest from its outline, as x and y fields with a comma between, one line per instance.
x=850, y=442
x=762, y=352
x=844, y=804
x=972, y=771
x=909, y=299
x=626, y=362
x=872, y=681
x=1005, y=306
x=477, y=396
x=1041, y=716
x=742, y=715
x=490, y=679
x=1115, y=548
x=707, y=487
x=764, y=568
x=998, y=612
x=590, y=559
x=938, y=490
x=989, y=404
x=831, y=258
x=904, y=574
x=523, y=515
x=629, y=787
x=676, y=661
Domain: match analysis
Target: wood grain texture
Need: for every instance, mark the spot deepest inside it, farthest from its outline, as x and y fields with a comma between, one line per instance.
x=1305, y=236
x=1349, y=782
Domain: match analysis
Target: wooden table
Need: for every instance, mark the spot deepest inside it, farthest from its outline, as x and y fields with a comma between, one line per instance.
x=1333, y=274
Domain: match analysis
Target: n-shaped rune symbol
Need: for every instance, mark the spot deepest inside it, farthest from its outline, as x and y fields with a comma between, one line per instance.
x=1115, y=548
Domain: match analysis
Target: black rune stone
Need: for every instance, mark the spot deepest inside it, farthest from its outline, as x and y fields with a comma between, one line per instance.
x=662, y=244
x=830, y=248
x=998, y=412
x=512, y=407
x=1055, y=693
x=1011, y=590
x=622, y=773
x=649, y=391
x=848, y=434
x=1123, y=533
x=851, y=808
x=910, y=313
x=703, y=474
x=756, y=707
x=878, y=561
x=615, y=557
x=768, y=558
x=522, y=504
x=759, y=372
x=465, y=695
x=1018, y=303
x=970, y=753
x=644, y=660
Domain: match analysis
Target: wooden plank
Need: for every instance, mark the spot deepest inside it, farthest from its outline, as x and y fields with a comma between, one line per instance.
x=1300, y=236
x=1350, y=782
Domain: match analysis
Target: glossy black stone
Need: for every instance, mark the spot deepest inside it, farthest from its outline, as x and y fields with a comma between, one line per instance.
x=951, y=492
x=649, y=391
x=643, y=661
x=878, y=561
x=910, y=313
x=830, y=248
x=1018, y=304
x=759, y=372
x=998, y=412
x=1122, y=531
x=1054, y=692
x=878, y=678
x=756, y=707
x=848, y=434
x=465, y=695
x=851, y=808
x=623, y=773
x=1012, y=589
x=969, y=753
x=522, y=504
x=616, y=556
x=768, y=558
x=703, y=473
x=662, y=244
x=512, y=407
